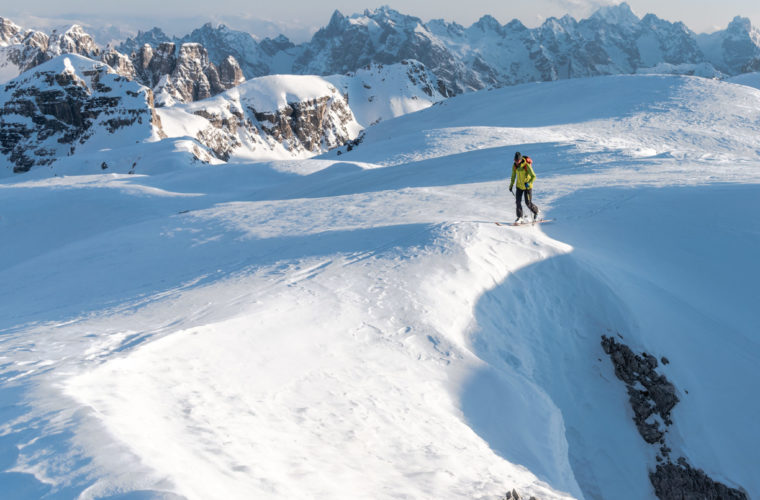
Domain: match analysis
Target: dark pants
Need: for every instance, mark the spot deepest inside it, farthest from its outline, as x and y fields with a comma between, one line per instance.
x=528, y=201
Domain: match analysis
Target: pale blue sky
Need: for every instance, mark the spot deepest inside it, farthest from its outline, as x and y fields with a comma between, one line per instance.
x=298, y=18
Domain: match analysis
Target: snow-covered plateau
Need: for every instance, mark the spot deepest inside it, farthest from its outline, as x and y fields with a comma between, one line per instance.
x=356, y=325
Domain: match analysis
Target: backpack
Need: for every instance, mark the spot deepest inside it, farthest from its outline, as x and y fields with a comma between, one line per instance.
x=528, y=161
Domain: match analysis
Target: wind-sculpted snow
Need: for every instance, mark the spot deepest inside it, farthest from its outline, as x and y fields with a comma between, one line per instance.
x=356, y=326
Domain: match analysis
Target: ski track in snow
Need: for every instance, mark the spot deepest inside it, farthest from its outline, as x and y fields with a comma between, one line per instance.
x=357, y=326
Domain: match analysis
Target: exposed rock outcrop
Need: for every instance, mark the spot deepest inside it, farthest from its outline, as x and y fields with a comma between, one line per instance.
x=514, y=495
x=314, y=124
x=72, y=41
x=679, y=481
x=650, y=393
x=653, y=397
x=120, y=63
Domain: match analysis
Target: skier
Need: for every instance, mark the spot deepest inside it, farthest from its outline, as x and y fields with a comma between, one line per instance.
x=522, y=169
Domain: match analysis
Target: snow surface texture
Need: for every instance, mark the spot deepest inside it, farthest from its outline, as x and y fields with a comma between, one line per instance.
x=357, y=326
x=748, y=79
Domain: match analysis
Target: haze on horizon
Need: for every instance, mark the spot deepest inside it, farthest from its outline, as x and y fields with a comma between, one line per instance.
x=299, y=19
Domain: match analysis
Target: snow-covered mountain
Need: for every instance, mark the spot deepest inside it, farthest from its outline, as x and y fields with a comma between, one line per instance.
x=287, y=116
x=612, y=41
x=70, y=105
x=272, y=116
x=357, y=326
x=183, y=73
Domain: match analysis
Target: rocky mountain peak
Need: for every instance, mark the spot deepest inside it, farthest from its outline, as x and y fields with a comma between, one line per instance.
x=9, y=32
x=153, y=37
x=337, y=21
x=620, y=14
x=385, y=16
x=739, y=26
x=488, y=23
x=271, y=46
x=230, y=73
x=515, y=25
x=120, y=63
x=73, y=41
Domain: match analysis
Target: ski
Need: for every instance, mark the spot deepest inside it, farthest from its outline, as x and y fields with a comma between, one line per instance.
x=526, y=223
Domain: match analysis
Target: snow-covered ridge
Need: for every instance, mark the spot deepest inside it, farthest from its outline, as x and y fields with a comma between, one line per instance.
x=749, y=79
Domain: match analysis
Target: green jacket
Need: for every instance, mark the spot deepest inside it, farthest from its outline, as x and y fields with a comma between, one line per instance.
x=525, y=175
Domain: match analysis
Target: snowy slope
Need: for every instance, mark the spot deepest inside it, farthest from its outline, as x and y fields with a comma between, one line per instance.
x=748, y=79
x=358, y=327
x=380, y=92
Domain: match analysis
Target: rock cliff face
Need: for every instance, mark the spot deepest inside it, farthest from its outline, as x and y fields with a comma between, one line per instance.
x=69, y=104
x=120, y=63
x=181, y=74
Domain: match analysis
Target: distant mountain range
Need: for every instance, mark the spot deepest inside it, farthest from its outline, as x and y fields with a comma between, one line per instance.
x=611, y=41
